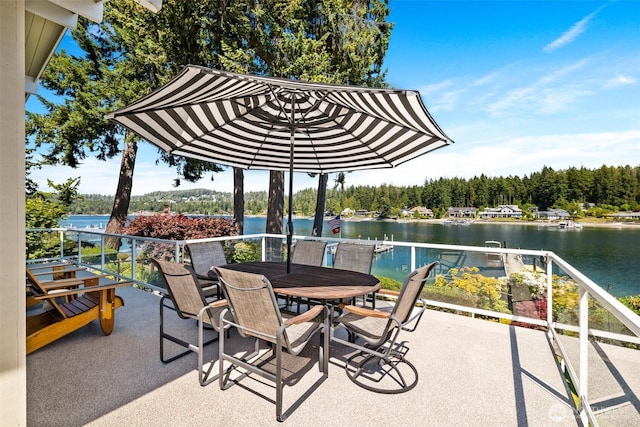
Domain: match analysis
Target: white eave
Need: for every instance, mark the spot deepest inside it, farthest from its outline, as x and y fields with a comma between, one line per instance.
x=46, y=22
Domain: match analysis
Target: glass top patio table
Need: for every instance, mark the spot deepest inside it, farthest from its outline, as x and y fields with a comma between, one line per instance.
x=312, y=282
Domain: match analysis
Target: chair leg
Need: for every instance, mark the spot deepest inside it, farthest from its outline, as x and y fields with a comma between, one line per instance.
x=361, y=369
x=165, y=336
x=204, y=377
x=278, y=350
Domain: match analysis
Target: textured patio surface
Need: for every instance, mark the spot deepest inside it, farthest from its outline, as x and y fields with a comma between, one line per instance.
x=472, y=372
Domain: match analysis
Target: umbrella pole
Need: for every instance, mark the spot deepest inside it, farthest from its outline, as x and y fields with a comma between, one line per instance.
x=290, y=210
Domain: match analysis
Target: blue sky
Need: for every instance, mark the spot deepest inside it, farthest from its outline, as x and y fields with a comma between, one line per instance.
x=517, y=85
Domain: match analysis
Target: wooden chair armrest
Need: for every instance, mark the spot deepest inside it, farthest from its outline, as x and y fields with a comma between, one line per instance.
x=75, y=291
x=306, y=316
x=51, y=266
x=73, y=281
x=218, y=303
x=389, y=292
x=363, y=311
x=61, y=283
x=54, y=271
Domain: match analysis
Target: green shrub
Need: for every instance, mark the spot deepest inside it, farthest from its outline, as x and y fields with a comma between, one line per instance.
x=246, y=251
x=389, y=283
x=449, y=295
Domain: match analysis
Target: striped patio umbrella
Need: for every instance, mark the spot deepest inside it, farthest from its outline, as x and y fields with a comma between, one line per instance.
x=254, y=122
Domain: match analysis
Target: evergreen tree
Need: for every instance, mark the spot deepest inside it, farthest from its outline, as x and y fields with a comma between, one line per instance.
x=132, y=52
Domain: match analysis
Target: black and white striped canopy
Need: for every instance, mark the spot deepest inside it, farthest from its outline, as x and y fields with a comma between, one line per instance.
x=276, y=124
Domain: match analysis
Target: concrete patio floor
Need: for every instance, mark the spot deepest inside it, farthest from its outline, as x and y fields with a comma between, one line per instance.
x=472, y=372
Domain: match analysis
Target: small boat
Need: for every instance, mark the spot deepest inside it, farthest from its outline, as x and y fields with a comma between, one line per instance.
x=493, y=258
x=569, y=225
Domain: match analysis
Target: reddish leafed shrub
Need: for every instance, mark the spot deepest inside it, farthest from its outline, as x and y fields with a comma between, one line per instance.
x=176, y=227
x=180, y=227
x=535, y=309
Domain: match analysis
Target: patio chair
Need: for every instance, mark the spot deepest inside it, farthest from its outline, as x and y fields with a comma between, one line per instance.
x=205, y=255
x=355, y=257
x=68, y=305
x=382, y=354
x=309, y=252
x=255, y=310
x=188, y=301
x=306, y=252
x=56, y=271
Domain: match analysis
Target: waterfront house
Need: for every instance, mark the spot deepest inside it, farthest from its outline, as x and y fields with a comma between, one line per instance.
x=362, y=212
x=346, y=212
x=464, y=212
x=624, y=216
x=553, y=214
x=502, y=211
x=420, y=211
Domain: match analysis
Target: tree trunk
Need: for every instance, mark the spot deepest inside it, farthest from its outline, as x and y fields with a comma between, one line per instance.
x=318, y=221
x=275, y=211
x=238, y=199
x=123, y=195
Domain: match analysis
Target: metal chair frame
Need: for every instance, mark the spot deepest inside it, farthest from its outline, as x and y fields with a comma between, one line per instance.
x=381, y=342
x=189, y=305
x=256, y=314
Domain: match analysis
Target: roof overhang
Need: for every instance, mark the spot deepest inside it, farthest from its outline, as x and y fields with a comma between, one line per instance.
x=45, y=24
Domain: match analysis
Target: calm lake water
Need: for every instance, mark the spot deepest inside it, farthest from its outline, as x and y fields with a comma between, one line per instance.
x=608, y=256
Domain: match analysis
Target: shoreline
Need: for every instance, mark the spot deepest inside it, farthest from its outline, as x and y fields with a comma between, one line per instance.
x=590, y=224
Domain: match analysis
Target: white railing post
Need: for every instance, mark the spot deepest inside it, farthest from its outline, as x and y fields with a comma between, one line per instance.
x=549, y=296
x=79, y=247
x=264, y=249
x=133, y=259
x=413, y=258
x=583, y=382
x=102, y=252
x=61, y=236
x=177, y=251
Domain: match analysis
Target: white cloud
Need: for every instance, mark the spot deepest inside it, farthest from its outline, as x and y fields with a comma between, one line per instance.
x=547, y=94
x=436, y=87
x=468, y=157
x=617, y=81
x=573, y=33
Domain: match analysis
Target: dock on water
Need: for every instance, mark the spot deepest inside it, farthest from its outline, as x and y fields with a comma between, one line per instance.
x=382, y=247
x=513, y=264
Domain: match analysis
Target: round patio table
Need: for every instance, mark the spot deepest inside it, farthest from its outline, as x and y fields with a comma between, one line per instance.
x=308, y=281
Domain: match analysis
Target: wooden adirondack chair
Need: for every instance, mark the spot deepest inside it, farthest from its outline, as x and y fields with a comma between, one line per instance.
x=56, y=271
x=73, y=302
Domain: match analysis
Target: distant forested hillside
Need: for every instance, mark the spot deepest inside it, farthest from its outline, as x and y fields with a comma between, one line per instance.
x=609, y=188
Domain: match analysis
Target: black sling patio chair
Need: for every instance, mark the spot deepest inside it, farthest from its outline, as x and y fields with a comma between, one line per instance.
x=308, y=252
x=204, y=256
x=356, y=257
x=380, y=363
x=187, y=299
x=256, y=314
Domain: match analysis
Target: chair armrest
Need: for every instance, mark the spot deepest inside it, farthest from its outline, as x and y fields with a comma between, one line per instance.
x=306, y=316
x=54, y=271
x=97, y=288
x=218, y=303
x=62, y=283
x=72, y=281
x=362, y=311
x=389, y=292
x=33, y=267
